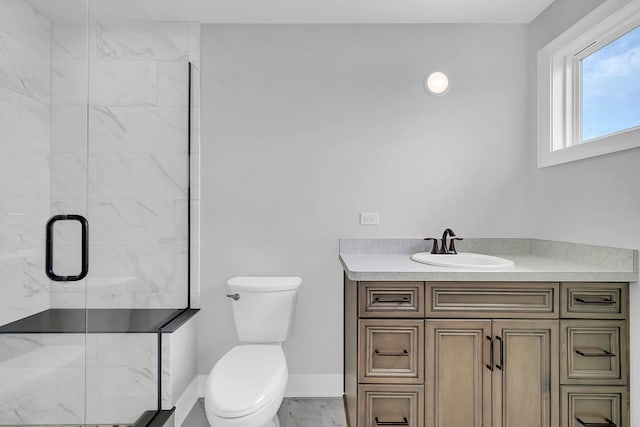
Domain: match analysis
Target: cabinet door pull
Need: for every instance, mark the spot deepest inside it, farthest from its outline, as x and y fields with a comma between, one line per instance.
x=397, y=299
x=595, y=301
x=391, y=353
x=595, y=353
x=501, y=365
x=608, y=423
x=490, y=365
x=404, y=422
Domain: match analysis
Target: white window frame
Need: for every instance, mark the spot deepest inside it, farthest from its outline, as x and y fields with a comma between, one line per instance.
x=559, y=86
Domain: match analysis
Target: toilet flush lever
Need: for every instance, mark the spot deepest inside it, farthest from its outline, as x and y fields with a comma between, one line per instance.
x=235, y=297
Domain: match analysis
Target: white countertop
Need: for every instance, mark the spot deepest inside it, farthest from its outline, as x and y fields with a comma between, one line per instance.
x=379, y=266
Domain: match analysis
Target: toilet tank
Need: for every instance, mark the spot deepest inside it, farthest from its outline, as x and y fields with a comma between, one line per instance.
x=264, y=311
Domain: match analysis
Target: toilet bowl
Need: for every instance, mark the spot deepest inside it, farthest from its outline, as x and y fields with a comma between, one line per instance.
x=246, y=386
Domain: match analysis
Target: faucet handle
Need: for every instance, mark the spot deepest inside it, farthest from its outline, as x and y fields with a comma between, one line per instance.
x=452, y=246
x=434, y=248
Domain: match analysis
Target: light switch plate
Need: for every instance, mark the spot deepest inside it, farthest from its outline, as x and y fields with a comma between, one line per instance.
x=369, y=218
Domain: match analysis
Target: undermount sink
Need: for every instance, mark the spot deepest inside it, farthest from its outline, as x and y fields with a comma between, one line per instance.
x=463, y=260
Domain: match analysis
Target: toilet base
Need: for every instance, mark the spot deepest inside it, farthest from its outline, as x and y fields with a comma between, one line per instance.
x=275, y=422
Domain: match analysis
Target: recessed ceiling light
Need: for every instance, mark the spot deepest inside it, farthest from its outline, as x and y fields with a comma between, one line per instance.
x=437, y=83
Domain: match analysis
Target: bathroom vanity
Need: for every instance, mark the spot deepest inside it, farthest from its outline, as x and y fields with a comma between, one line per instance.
x=544, y=344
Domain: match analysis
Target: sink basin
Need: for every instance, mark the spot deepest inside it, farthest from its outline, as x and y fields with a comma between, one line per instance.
x=464, y=260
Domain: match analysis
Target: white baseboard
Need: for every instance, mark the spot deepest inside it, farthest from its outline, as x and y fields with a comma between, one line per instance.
x=202, y=380
x=185, y=403
x=314, y=386
x=300, y=386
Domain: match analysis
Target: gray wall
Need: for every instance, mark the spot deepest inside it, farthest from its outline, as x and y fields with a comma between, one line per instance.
x=306, y=126
x=593, y=201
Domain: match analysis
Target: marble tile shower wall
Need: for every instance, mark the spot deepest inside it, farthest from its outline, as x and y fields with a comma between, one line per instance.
x=136, y=163
x=25, y=123
x=44, y=378
x=130, y=180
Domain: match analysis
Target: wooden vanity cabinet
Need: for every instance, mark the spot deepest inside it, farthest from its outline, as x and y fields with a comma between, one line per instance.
x=594, y=355
x=493, y=354
x=476, y=367
x=459, y=371
x=525, y=376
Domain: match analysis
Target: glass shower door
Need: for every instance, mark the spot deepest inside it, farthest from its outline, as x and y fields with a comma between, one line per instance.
x=137, y=206
x=94, y=208
x=43, y=159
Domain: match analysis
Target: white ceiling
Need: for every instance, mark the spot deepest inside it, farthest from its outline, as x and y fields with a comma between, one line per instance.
x=300, y=11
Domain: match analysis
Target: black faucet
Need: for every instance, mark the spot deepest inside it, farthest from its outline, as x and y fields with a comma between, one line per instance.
x=443, y=250
x=447, y=232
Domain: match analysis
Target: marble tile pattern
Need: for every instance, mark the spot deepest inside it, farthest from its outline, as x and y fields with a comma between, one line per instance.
x=294, y=412
x=25, y=129
x=48, y=378
x=96, y=126
x=179, y=362
x=42, y=378
x=134, y=167
x=122, y=377
x=123, y=163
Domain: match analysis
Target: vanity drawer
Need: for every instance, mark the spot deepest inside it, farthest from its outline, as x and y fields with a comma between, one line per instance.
x=594, y=406
x=391, y=351
x=492, y=299
x=593, y=352
x=391, y=299
x=381, y=405
x=595, y=300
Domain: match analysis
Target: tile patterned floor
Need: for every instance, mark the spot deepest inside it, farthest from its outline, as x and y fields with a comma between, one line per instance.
x=294, y=412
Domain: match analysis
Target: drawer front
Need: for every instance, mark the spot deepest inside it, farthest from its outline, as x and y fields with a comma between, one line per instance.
x=494, y=300
x=390, y=405
x=391, y=299
x=594, y=406
x=593, y=352
x=391, y=351
x=595, y=300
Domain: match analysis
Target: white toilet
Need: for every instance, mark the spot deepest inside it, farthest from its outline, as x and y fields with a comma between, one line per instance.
x=245, y=388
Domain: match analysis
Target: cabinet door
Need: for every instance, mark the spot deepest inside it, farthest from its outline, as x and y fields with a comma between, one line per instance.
x=525, y=376
x=458, y=376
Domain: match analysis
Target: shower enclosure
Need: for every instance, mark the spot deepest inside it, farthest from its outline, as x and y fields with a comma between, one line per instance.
x=98, y=202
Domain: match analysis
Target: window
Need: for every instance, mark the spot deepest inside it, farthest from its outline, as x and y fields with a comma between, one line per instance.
x=611, y=87
x=589, y=87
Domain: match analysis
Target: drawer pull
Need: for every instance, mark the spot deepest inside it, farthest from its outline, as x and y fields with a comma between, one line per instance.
x=595, y=353
x=608, y=423
x=398, y=299
x=595, y=301
x=404, y=422
x=391, y=353
x=501, y=365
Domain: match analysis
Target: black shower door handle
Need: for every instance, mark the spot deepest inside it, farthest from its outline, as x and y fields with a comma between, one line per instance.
x=84, y=224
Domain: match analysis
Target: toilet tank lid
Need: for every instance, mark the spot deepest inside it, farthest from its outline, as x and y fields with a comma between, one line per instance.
x=264, y=283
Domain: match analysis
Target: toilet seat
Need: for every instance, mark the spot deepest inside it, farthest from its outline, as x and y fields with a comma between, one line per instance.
x=246, y=379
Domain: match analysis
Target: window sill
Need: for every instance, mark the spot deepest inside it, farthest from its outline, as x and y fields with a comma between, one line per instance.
x=614, y=143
